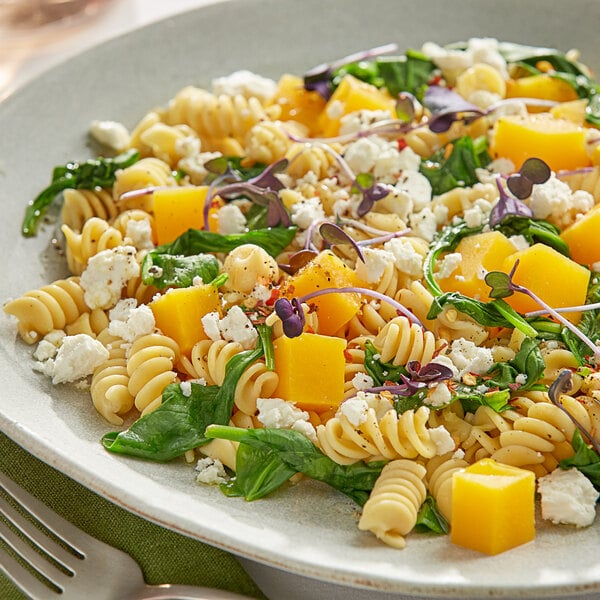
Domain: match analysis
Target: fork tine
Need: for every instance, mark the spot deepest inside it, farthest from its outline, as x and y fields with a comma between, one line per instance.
x=73, y=537
x=23, y=579
x=36, y=560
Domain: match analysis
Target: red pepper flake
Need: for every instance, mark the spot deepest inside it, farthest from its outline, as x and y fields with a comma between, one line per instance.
x=402, y=143
x=273, y=297
x=435, y=80
x=348, y=356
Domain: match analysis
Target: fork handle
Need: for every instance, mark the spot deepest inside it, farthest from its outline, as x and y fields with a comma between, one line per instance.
x=184, y=592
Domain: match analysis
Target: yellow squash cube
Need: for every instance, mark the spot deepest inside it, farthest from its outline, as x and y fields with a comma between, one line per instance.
x=298, y=104
x=327, y=271
x=493, y=507
x=178, y=313
x=558, y=142
x=350, y=96
x=178, y=209
x=556, y=279
x=311, y=370
x=480, y=253
x=582, y=238
x=541, y=86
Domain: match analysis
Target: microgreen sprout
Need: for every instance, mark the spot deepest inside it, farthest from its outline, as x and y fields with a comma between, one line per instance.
x=290, y=310
x=418, y=378
x=447, y=106
x=292, y=316
x=335, y=235
x=319, y=78
x=262, y=190
x=502, y=285
x=533, y=171
x=563, y=385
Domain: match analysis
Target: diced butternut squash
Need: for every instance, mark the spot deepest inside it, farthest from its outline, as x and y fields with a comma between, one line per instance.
x=297, y=103
x=178, y=313
x=493, y=507
x=311, y=371
x=327, y=271
x=573, y=111
x=582, y=238
x=558, y=142
x=556, y=279
x=544, y=87
x=176, y=209
x=480, y=253
x=352, y=95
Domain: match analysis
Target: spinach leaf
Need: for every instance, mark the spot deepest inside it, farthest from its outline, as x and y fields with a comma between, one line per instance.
x=471, y=399
x=528, y=361
x=458, y=168
x=164, y=270
x=179, y=423
x=405, y=403
x=490, y=314
x=409, y=73
x=299, y=454
x=99, y=172
x=534, y=230
x=378, y=370
x=196, y=241
x=585, y=459
x=430, y=519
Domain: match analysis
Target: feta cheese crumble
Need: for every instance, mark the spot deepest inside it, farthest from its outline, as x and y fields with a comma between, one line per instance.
x=568, y=497
x=210, y=471
x=129, y=321
x=470, y=358
x=235, y=326
x=111, y=134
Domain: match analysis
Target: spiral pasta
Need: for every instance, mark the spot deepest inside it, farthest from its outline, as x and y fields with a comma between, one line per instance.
x=256, y=382
x=401, y=341
x=391, y=510
x=96, y=235
x=393, y=436
x=150, y=367
x=81, y=205
x=146, y=173
x=109, y=387
x=50, y=307
x=440, y=470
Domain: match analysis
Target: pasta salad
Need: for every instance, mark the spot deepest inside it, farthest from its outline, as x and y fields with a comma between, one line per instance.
x=381, y=274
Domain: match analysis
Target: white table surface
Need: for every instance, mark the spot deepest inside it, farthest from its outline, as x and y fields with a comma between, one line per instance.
x=19, y=65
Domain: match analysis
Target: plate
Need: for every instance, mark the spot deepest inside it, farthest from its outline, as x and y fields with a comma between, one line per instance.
x=307, y=530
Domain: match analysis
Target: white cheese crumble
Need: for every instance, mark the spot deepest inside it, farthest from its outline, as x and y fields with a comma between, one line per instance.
x=554, y=200
x=442, y=439
x=76, y=358
x=111, y=134
x=417, y=187
x=407, y=259
x=211, y=471
x=231, y=219
x=355, y=410
x=470, y=358
x=374, y=265
x=362, y=381
x=438, y=395
x=129, y=321
x=424, y=224
x=279, y=414
x=235, y=326
x=106, y=274
x=569, y=497
x=448, y=265
x=305, y=212
x=139, y=234
x=245, y=83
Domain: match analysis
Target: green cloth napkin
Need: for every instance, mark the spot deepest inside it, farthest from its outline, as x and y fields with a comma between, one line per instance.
x=164, y=556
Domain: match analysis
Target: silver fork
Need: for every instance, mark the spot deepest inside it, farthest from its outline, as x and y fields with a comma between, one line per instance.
x=84, y=568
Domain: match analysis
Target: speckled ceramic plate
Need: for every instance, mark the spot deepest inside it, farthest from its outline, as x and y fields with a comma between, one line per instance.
x=306, y=530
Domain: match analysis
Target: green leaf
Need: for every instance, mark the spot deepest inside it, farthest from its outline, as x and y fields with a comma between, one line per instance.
x=457, y=169
x=378, y=370
x=430, y=519
x=93, y=173
x=167, y=270
x=500, y=284
x=410, y=73
x=196, y=241
x=585, y=459
x=298, y=453
x=528, y=361
x=471, y=399
x=589, y=324
x=534, y=231
x=179, y=423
